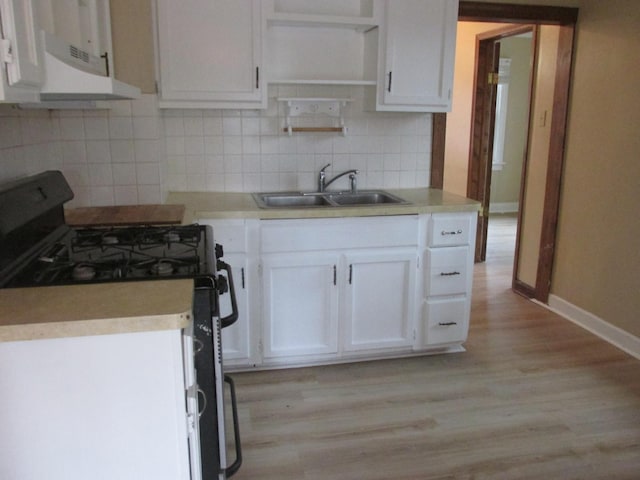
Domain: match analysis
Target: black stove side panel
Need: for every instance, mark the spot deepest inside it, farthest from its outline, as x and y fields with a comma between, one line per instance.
x=205, y=375
x=33, y=199
x=31, y=209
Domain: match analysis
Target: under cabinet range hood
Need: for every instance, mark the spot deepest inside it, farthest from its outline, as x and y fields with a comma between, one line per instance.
x=74, y=74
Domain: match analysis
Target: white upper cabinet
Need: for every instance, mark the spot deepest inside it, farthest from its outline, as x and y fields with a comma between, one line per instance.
x=20, y=53
x=85, y=24
x=210, y=54
x=416, y=55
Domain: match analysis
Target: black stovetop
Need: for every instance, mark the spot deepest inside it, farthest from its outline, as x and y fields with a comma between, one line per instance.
x=93, y=255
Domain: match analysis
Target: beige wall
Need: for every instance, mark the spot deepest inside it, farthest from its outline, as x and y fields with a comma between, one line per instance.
x=456, y=160
x=132, y=33
x=597, y=264
x=539, y=137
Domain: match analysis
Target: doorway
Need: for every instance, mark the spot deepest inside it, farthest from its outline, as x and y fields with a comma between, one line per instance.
x=536, y=285
x=496, y=146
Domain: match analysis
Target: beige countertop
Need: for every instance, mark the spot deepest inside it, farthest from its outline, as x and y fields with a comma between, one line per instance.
x=96, y=309
x=216, y=205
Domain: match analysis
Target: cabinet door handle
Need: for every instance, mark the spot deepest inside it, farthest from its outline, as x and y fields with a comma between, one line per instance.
x=447, y=324
x=389, y=86
x=242, y=276
x=202, y=407
x=455, y=232
x=350, y=273
x=335, y=274
x=449, y=274
x=257, y=78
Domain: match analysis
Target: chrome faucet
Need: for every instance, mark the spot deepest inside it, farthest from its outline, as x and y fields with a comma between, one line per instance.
x=323, y=183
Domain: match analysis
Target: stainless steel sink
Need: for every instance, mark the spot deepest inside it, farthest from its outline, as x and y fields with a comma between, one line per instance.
x=290, y=200
x=326, y=199
x=366, y=198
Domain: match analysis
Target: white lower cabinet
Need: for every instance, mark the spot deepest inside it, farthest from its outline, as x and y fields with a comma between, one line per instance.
x=379, y=299
x=448, y=277
x=237, y=237
x=325, y=290
x=112, y=406
x=335, y=289
x=300, y=305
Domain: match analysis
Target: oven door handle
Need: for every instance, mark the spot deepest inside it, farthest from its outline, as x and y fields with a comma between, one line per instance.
x=233, y=316
x=235, y=466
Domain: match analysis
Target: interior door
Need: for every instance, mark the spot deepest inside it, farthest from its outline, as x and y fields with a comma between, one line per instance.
x=482, y=130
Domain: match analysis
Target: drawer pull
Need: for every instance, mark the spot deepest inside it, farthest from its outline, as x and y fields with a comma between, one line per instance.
x=456, y=232
x=449, y=274
x=447, y=324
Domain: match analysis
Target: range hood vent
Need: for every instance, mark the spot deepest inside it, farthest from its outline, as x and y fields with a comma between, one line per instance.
x=74, y=74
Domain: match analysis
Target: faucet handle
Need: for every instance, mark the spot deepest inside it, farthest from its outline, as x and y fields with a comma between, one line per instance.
x=325, y=167
x=354, y=181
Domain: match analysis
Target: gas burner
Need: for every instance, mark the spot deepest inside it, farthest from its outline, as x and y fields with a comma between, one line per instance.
x=83, y=272
x=162, y=268
x=110, y=240
x=170, y=237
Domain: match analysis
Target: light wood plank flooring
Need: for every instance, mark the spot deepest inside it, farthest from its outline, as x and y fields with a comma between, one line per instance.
x=534, y=397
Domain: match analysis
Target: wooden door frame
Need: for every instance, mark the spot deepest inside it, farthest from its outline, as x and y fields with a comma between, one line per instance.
x=487, y=59
x=566, y=19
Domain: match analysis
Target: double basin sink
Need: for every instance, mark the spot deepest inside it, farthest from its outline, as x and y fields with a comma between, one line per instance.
x=326, y=199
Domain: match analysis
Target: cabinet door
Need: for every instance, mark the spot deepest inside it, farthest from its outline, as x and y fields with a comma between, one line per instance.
x=20, y=55
x=235, y=338
x=418, y=55
x=211, y=50
x=300, y=304
x=379, y=299
x=119, y=399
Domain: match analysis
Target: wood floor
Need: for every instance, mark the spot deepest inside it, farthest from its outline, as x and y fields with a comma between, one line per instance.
x=533, y=397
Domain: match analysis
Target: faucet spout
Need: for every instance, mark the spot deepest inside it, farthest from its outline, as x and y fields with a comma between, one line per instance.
x=352, y=174
x=322, y=177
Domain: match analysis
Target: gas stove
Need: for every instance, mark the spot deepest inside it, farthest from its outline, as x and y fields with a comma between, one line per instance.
x=37, y=249
x=92, y=255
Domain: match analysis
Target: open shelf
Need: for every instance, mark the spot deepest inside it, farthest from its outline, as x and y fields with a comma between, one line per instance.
x=299, y=81
x=330, y=21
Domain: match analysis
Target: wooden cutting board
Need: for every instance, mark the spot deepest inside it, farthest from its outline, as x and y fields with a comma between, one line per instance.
x=125, y=215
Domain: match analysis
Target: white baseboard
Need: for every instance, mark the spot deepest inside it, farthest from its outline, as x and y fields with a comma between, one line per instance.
x=504, y=207
x=610, y=333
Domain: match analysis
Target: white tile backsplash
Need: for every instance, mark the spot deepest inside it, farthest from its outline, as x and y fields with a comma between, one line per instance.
x=136, y=153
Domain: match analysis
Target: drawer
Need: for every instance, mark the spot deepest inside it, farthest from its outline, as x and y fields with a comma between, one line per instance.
x=447, y=271
x=446, y=229
x=446, y=321
x=338, y=233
